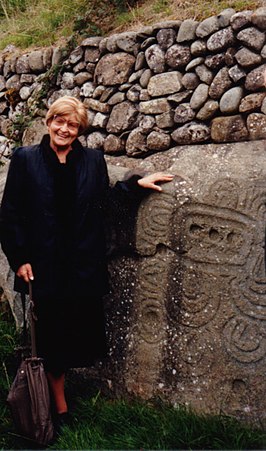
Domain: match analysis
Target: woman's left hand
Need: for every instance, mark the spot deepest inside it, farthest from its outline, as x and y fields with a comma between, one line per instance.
x=150, y=181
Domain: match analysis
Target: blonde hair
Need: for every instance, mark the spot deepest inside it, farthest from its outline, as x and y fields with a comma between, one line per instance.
x=68, y=105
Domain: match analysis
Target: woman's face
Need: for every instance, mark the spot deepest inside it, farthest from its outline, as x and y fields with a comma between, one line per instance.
x=63, y=130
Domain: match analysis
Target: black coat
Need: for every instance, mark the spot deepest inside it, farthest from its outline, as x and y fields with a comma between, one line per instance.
x=29, y=220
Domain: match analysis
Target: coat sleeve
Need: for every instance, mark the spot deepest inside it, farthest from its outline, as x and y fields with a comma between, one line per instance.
x=124, y=192
x=13, y=221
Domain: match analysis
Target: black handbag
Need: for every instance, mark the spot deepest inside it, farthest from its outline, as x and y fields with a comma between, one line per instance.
x=29, y=396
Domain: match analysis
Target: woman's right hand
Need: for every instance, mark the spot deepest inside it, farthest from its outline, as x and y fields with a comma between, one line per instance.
x=25, y=272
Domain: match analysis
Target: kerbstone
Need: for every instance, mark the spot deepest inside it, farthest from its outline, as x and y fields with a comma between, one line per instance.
x=201, y=232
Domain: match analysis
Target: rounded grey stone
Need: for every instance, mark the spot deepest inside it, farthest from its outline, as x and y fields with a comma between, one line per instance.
x=258, y=18
x=96, y=105
x=34, y=133
x=146, y=123
x=155, y=58
x=2, y=83
x=204, y=74
x=87, y=89
x=133, y=93
x=207, y=27
x=156, y=106
x=215, y=61
x=190, y=80
x=252, y=38
x=117, y=97
x=79, y=67
x=145, y=77
x=113, y=145
x=199, y=96
x=147, y=43
x=135, y=76
x=194, y=62
x=92, y=41
x=13, y=82
x=140, y=61
x=81, y=78
x=166, y=37
x=114, y=69
x=95, y=140
x=100, y=120
x=240, y=19
x=127, y=42
x=122, y=117
x=57, y=56
x=198, y=47
x=251, y=102
x=221, y=83
x=180, y=97
x=224, y=17
x=163, y=84
x=255, y=79
x=221, y=40
x=178, y=56
x=229, y=129
x=231, y=99
x=106, y=94
x=187, y=30
x=36, y=61
x=256, y=125
x=136, y=143
x=191, y=133
x=67, y=80
x=208, y=110
x=165, y=120
x=247, y=58
x=22, y=64
x=236, y=73
x=92, y=55
x=25, y=92
x=184, y=113
x=158, y=141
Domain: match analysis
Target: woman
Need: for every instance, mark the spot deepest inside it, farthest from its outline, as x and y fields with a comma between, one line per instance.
x=52, y=233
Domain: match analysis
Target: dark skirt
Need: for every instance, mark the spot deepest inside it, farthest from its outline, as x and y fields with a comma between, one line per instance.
x=70, y=332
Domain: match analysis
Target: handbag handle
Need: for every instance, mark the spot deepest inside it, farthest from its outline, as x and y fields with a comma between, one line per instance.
x=33, y=319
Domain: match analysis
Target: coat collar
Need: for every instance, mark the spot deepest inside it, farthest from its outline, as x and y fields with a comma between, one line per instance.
x=50, y=156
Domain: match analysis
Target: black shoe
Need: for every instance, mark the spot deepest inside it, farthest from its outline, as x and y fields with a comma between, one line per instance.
x=61, y=420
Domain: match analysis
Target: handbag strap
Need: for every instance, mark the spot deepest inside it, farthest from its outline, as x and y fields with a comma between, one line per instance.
x=23, y=301
x=33, y=319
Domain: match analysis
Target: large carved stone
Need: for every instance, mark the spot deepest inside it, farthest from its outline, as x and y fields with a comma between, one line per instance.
x=197, y=287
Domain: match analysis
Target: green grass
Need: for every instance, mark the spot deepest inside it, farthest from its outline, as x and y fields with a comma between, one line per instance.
x=29, y=23
x=8, y=339
x=101, y=422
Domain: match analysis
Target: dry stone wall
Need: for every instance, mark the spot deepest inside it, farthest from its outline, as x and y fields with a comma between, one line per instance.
x=170, y=84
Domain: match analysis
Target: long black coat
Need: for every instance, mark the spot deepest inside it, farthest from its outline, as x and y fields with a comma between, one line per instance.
x=52, y=216
x=29, y=219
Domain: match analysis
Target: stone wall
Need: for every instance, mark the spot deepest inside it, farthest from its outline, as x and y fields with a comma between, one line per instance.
x=186, y=318
x=169, y=84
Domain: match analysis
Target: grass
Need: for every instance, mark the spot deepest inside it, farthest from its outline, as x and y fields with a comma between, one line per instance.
x=100, y=422
x=50, y=21
x=31, y=23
